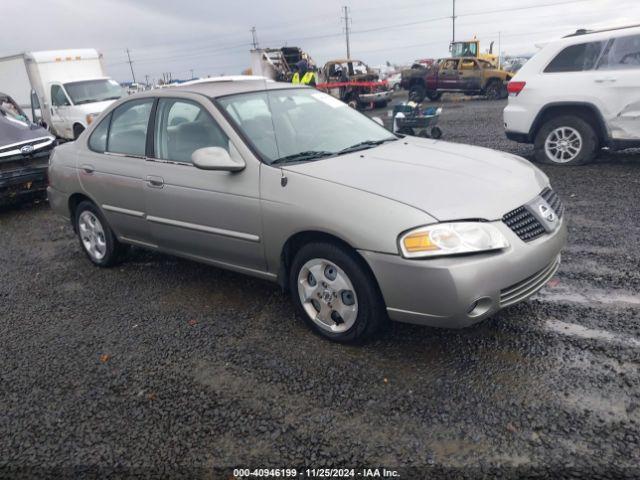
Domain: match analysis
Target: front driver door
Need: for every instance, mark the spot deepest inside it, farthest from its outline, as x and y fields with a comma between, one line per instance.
x=202, y=214
x=60, y=104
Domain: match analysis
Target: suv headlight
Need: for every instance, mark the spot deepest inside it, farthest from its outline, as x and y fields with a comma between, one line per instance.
x=450, y=239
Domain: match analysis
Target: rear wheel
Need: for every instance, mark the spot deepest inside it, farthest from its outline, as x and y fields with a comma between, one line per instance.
x=335, y=294
x=494, y=90
x=97, y=239
x=434, y=96
x=566, y=140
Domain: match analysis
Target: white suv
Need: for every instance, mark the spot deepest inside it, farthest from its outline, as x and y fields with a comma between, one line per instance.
x=577, y=95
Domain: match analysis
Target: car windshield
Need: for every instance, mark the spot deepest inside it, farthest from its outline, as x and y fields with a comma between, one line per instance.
x=9, y=109
x=301, y=124
x=90, y=91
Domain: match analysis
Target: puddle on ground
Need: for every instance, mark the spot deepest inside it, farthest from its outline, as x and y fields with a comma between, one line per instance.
x=561, y=293
x=575, y=330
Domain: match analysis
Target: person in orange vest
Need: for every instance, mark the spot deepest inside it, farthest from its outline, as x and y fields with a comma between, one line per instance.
x=304, y=75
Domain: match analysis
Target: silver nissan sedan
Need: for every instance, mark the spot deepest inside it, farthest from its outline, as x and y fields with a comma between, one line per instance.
x=291, y=185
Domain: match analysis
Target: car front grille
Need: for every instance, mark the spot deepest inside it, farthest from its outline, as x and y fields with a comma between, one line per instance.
x=553, y=200
x=524, y=223
x=527, y=287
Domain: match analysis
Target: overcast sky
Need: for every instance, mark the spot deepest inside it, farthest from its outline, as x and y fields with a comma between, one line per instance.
x=212, y=36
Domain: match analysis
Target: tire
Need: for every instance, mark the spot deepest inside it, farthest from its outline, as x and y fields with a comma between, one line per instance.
x=572, y=128
x=436, y=133
x=417, y=93
x=343, y=278
x=99, y=244
x=406, y=131
x=77, y=130
x=396, y=87
x=434, y=96
x=493, y=91
x=382, y=104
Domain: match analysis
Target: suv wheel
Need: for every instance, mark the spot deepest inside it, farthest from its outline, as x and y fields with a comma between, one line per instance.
x=566, y=140
x=335, y=294
x=434, y=96
x=97, y=239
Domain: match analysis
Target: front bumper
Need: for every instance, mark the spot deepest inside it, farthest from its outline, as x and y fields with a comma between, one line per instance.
x=375, y=97
x=22, y=181
x=456, y=292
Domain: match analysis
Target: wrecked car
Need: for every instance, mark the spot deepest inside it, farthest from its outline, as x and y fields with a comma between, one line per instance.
x=24, y=153
x=469, y=75
x=353, y=82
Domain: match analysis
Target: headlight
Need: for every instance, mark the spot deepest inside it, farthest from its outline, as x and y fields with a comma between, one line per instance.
x=450, y=239
x=91, y=117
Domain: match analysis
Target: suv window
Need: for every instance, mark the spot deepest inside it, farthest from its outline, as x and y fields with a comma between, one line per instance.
x=98, y=139
x=576, y=58
x=58, y=97
x=182, y=127
x=621, y=53
x=128, y=132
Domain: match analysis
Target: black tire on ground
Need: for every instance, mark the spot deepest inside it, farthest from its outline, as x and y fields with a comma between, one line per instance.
x=114, y=249
x=588, y=146
x=406, y=131
x=434, y=96
x=417, y=93
x=371, y=314
x=77, y=130
x=436, y=133
x=493, y=91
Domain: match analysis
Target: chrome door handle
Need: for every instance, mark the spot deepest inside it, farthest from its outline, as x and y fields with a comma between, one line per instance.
x=155, y=182
x=88, y=168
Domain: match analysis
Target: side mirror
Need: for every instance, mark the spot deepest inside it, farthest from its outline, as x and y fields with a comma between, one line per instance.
x=378, y=120
x=216, y=158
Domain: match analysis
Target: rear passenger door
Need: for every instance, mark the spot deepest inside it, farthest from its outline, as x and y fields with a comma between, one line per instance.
x=617, y=77
x=203, y=214
x=112, y=169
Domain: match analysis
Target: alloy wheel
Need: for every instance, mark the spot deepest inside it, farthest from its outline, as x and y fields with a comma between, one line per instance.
x=563, y=144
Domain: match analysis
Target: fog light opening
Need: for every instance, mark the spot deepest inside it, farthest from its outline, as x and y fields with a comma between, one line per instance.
x=479, y=307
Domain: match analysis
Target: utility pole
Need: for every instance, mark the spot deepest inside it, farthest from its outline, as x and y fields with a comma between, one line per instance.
x=347, y=20
x=131, y=66
x=191, y=70
x=254, y=37
x=453, y=19
x=499, y=50
x=146, y=80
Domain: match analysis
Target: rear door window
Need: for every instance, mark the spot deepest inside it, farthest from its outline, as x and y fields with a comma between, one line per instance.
x=621, y=53
x=129, y=123
x=576, y=58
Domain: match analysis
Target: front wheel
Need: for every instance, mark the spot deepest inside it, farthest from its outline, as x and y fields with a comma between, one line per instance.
x=434, y=96
x=565, y=140
x=335, y=294
x=494, y=90
x=417, y=93
x=97, y=239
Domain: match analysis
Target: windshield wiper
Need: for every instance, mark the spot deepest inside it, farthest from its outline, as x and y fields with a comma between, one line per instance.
x=364, y=145
x=301, y=156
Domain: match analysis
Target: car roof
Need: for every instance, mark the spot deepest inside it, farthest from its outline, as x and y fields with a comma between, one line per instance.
x=228, y=85
x=584, y=31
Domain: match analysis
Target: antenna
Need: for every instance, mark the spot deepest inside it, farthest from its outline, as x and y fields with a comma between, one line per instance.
x=347, y=22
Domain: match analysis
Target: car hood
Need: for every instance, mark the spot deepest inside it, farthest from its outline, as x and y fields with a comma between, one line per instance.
x=14, y=131
x=446, y=180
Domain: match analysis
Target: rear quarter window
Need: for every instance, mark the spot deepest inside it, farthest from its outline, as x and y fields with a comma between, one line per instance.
x=98, y=138
x=576, y=58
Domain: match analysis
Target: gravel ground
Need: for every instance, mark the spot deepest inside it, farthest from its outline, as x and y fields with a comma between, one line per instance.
x=170, y=368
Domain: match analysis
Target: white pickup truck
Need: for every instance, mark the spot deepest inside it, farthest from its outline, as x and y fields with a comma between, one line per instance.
x=64, y=90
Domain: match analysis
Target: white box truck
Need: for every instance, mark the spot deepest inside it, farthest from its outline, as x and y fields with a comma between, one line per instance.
x=65, y=90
